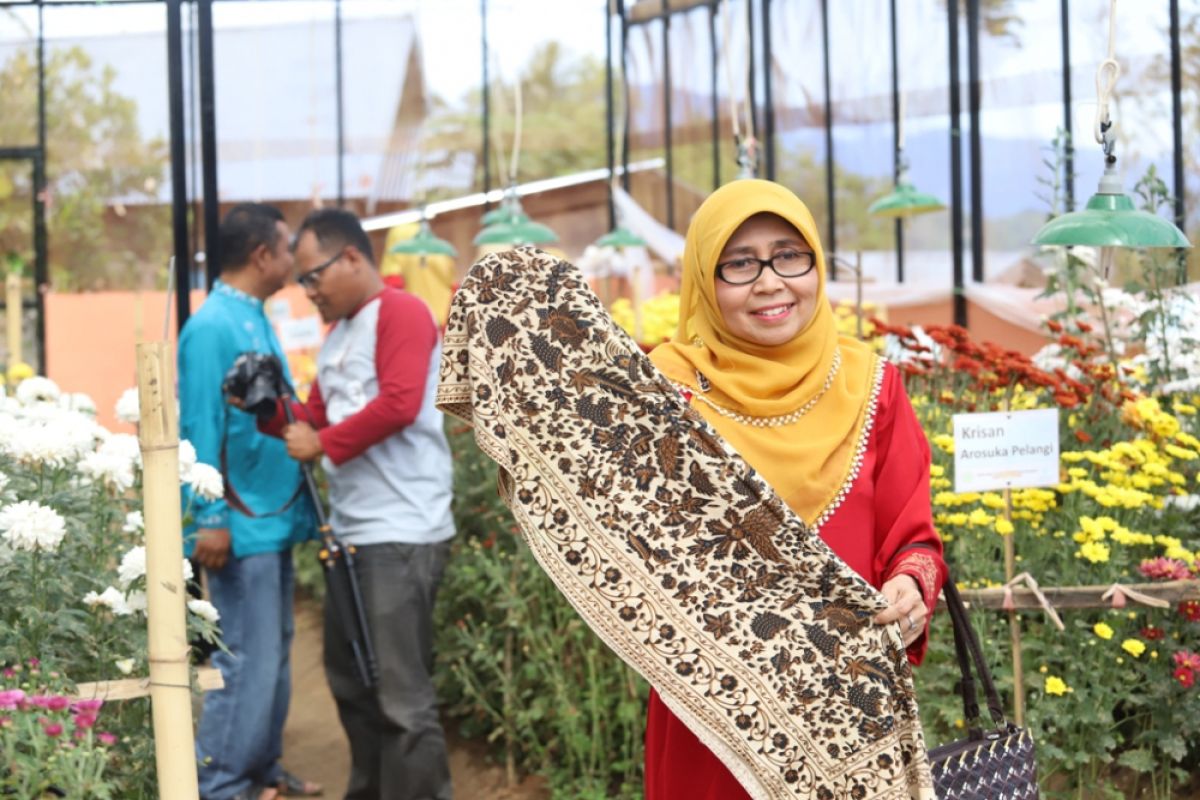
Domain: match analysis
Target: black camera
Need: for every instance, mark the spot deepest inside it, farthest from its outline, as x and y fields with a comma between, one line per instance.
x=256, y=380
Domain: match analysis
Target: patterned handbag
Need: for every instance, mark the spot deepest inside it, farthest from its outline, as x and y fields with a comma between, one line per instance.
x=995, y=764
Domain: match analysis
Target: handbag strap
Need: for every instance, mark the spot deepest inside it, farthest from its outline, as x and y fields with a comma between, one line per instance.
x=967, y=643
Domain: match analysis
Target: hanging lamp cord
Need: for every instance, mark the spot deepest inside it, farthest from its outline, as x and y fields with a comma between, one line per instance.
x=1106, y=80
x=747, y=145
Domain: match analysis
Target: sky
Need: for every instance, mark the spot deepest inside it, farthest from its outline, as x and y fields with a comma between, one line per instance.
x=449, y=33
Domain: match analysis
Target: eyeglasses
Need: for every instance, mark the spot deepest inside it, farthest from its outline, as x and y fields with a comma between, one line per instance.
x=785, y=263
x=310, y=279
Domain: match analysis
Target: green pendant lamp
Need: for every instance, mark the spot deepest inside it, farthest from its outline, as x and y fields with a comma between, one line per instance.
x=425, y=243
x=515, y=228
x=904, y=201
x=619, y=238
x=1109, y=219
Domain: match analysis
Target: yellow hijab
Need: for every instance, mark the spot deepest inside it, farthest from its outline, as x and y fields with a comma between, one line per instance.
x=794, y=411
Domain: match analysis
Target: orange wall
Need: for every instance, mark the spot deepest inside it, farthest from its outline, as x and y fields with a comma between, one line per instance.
x=91, y=340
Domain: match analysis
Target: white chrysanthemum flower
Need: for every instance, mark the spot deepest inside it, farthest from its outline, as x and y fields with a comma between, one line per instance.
x=204, y=610
x=54, y=439
x=30, y=526
x=111, y=598
x=37, y=390
x=124, y=665
x=78, y=402
x=134, y=522
x=107, y=468
x=114, y=462
x=135, y=601
x=187, y=460
x=207, y=482
x=188, y=574
x=128, y=408
x=133, y=566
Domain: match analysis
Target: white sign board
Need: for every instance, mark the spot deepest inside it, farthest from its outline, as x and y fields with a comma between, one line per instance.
x=1005, y=450
x=303, y=333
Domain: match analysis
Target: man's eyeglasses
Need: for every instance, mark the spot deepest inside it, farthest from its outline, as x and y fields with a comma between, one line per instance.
x=785, y=263
x=310, y=279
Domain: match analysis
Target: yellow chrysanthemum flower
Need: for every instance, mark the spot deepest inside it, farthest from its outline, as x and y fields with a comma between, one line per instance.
x=1102, y=630
x=1094, y=552
x=1056, y=686
x=1003, y=526
x=1135, y=647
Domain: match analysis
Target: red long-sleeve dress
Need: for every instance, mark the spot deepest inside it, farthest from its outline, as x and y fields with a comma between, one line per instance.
x=883, y=528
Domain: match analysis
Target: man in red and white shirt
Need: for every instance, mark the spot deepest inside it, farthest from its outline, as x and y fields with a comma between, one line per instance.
x=371, y=419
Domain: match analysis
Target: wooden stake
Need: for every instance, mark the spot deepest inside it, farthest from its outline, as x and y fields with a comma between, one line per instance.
x=635, y=300
x=1014, y=624
x=170, y=675
x=13, y=312
x=858, y=301
x=208, y=679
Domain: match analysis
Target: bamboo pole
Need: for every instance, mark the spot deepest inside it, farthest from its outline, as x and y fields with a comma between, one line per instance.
x=170, y=678
x=1014, y=624
x=13, y=312
x=635, y=300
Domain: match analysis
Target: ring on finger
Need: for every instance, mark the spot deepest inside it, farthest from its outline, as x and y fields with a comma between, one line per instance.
x=911, y=624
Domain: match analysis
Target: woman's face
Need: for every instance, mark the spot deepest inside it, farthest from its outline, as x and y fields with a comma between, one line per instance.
x=770, y=310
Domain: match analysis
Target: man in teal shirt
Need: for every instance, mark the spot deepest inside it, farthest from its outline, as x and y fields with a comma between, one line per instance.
x=243, y=540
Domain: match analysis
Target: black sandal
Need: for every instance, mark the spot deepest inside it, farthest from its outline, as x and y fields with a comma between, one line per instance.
x=294, y=786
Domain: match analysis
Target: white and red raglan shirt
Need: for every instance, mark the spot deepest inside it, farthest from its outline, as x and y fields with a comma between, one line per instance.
x=372, y=403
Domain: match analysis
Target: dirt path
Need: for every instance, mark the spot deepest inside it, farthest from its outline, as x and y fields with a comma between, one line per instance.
x=314, y=745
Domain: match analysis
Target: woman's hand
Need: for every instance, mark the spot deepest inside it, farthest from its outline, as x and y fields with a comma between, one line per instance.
x=906, y=606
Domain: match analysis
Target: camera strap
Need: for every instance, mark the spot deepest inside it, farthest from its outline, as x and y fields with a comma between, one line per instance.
x=234, y=500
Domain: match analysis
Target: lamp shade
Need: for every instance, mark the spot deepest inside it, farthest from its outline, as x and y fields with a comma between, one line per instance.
x=905, y=201
x=620, y=237
x=1110, y=220
x=498, y=214
x=424, y=243
x=514, y=227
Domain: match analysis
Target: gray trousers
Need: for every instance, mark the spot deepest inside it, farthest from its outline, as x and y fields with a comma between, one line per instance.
x=397, y=746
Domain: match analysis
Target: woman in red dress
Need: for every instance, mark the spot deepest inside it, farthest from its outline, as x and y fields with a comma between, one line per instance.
x=823, y=419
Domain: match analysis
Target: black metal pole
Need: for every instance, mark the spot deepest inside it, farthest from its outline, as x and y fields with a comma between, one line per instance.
x=1069, y=149
x=208, y=141
x=625, y=123
x=41, y=267
x=1177, y=129
x=896, y=123
x=192, y=122
x=956, y=199
x=768, y=101
x=609, y=133
x=179, y=204
x=716, y=100
x=487, y=91
x=666, y=42
x=976, y=141
x=751, y=83
x=831, y=243
x=339, y=87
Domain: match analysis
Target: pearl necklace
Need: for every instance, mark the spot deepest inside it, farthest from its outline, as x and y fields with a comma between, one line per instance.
x=771, y=422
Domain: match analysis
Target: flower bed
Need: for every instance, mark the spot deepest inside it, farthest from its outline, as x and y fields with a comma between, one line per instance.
x=1117, y=686
x=72, y=596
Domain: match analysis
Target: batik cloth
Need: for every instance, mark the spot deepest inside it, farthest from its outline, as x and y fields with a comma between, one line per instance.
x=673, y=549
